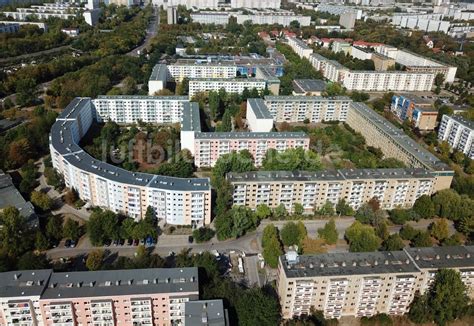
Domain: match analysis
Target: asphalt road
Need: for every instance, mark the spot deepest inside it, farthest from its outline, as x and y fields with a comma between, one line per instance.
x=150, y=33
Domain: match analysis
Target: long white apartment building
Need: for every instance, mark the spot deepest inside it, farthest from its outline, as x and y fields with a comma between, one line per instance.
x=458, y=132
x=181, y=201
x=273, y=17
x=46, y=11
x=261, y=4
x=383, y=81
x=210, y=146
x=424, y=22
x=394, y=143
x=210, y=17
x=392, y=187
x=331, y=69
x=130, y=109
x=216, y=4
x=200, y=4
x=234, y=85
x=418, y=64
x=261, y=113
x=365, y=284
x=300, y=47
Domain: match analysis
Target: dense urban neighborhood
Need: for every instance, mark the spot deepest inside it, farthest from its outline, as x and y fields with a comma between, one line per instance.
x=236, y=162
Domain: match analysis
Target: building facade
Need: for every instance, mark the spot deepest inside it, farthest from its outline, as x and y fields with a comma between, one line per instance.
x=392, y=187
x=176, y=200
x=125, y=297
x=379, y=132
x=300, y=47
x=208, y=147
x=234, y=85
x=458, y=132
x=416, y=110
x=382, y=81
x=365, y=284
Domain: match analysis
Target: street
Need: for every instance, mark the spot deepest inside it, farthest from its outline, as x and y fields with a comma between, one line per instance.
x=150, y=33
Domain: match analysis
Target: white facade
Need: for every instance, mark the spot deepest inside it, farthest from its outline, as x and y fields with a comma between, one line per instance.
x=130, y=109
x=236, y=85
x=384, y=81
x=200, y=4
x=211, y=17
x=300, y=47
x=459, y=133
x=175, y=200
x=201, y=70
x=261, y=4
x=271, y=18
x=258, y=117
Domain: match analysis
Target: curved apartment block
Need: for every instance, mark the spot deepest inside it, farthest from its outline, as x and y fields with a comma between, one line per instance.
x=178, y=201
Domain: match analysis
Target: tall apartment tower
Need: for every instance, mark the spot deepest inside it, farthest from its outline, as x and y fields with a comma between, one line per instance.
x=172, y=15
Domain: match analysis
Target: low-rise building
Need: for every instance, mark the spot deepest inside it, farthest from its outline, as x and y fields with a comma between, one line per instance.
x=458, y=132
x=205, y=312
x=365, y=284
x=417, y=110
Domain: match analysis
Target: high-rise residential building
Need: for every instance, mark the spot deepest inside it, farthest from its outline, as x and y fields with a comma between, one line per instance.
x=458, y=132
x=234, y=85
x=211, y=17
x=181, y=201
x=208, y=147
x=348, y=19
x=392, y=187
x=261, y=4
x=300, y=47
x=388, y=81
x=365, y=284
x=272, y=17
x=379, y=132
x=125, y=297
x=172, y=15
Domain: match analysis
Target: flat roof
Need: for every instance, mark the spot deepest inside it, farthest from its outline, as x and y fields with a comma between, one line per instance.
x=10, y=196
x=228, y=80
x=463, y=121
x=349, y=264
x=24, y=283
x=251, y=135
x=63, y=142
x=111, y=283
x=204, y=312
x=141, y=97
x=259, y=108
x=328, y=175
x=418, y=100
x=309, y=85
x=159, y=72
x=302, y=98
x=399, y=137
x=191, y=120
x=443, y=257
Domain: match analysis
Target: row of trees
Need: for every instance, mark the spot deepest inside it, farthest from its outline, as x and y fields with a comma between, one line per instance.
x=105, y=226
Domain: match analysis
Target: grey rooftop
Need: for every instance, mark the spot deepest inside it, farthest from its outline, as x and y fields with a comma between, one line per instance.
x=309, y=85
x=273, y=98
x=142, y=97
x=205, y=313
x=251, y=135
x=159, y=72
x=399, y=137
x=259, y=108
x=122, y=282
x=191, y=120
x=349, y=264
x=442, y=257
x=328, y=175
x=459, y=119
x=24, y=283
x=61, y=138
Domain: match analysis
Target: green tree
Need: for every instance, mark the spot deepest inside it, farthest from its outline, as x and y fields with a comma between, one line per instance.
x=13, y=232
x=30, y=260
x=343, y=208
x=447, y=297
x=41, y=242
x=326, y=210
x=41, y=200
x=329, y=232
x=419, y=310
x=94, y=260
x=440, y=229
x=72, y=230
x=298, y=209
x=407, y=232
x=422, y=239
x=290, y=234
x=203, y=234
x=280, y=211
x=362, y=238
x=393, y=243
x=54, y=228
x=25, y=91
x=424, y=207
x=270, y=231
x=272, y=248
x=263, y=211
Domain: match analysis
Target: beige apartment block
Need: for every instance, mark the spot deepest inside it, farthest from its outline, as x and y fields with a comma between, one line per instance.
x=392, y=187
x=365, y=284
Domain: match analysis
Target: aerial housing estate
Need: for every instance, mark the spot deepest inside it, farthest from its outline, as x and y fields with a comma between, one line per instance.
x=458, y=132
x=419, y=75
x=366, y=283
x=125, y=297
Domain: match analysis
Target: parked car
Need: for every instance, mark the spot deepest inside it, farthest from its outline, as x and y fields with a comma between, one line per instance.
x=129, y=242
x=190, y=239
x=149, y=242
x=121, y=242
x=136, y=242
x=72, y=244
x=67, y=243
